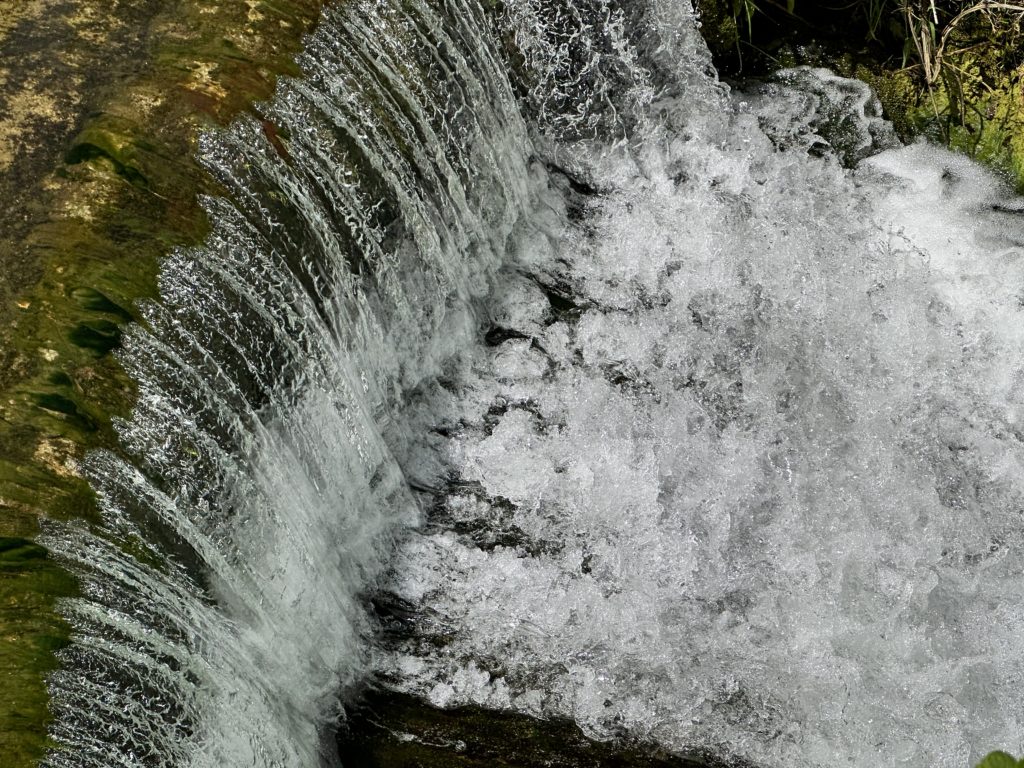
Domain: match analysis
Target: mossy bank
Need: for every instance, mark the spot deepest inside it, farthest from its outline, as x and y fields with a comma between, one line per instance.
x=952, y=70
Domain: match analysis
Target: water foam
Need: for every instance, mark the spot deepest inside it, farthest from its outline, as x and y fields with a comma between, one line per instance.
x=757, y=490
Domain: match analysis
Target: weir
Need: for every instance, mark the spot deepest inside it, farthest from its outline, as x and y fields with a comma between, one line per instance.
x=256, y=495
x=686, y=414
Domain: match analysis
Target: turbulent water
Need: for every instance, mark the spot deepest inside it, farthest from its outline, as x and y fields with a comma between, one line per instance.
x=691, y=414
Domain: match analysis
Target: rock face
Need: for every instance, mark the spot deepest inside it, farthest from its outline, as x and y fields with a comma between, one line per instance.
x=392, y=730
x=101, y=104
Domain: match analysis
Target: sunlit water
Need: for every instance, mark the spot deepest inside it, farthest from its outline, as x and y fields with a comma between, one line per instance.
x=691, y=415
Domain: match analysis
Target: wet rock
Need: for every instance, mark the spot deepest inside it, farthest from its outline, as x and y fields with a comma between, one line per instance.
x=385, y=729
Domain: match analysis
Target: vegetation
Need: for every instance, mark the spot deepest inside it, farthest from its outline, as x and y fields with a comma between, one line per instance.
x=1000, y=760
x=951, y=70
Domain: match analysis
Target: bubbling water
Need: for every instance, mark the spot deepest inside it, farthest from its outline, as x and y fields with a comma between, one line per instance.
x=742, y=473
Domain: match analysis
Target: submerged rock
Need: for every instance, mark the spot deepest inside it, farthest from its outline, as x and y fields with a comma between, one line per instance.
x=394, y=730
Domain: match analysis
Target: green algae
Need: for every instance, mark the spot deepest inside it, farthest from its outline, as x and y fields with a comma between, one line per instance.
x=120, y=195
x=29, y=584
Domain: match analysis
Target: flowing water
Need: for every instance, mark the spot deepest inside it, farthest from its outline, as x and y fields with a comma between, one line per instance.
x=691, y=414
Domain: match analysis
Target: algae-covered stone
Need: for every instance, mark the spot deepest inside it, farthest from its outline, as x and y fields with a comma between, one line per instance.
x=98, y=181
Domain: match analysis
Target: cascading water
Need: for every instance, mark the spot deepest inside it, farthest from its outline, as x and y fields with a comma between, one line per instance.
x=735, y=466
x=256, y=494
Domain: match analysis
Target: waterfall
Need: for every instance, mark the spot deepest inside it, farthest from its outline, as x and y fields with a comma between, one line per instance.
x=367, y=209
x=689, y=413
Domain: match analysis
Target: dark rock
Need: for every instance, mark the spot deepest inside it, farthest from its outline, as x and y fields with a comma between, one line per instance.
x=386, y=729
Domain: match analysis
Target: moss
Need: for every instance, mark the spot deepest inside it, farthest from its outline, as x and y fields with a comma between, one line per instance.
x=983, y=119
x=975, y=106
x=94, y=301
x=719, y=27
x=119, y=192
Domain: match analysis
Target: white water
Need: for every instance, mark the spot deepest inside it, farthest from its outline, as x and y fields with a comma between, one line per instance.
x=759, y=494
x=762, y=496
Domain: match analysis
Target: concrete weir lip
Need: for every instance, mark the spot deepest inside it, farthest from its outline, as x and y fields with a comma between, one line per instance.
x=101, y=106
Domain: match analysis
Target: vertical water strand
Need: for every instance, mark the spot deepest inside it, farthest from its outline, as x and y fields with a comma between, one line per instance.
x=255, y=497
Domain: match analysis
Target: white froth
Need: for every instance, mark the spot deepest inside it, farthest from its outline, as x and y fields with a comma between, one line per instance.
x=767, y=484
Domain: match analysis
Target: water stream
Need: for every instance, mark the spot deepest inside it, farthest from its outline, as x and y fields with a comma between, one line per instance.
x=691, y=414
